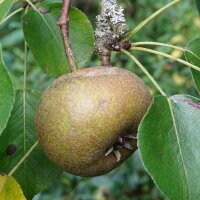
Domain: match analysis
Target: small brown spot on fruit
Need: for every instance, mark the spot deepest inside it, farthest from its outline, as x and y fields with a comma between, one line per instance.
x=103, y=104
x=11, y=149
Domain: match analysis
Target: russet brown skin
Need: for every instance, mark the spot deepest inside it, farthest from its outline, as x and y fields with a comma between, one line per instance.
x=82, y=114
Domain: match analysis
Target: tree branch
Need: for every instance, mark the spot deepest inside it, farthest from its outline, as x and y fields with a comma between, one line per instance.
x=63, y=22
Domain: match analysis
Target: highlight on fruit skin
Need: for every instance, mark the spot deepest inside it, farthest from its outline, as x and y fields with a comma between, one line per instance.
x=87, y=120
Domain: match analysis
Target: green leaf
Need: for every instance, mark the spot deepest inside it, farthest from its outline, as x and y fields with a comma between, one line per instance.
x=81, y=36
x=193, y=56
x=5, y=6
x=37, y=172
x=6, y=94
x=198, y=5
x=44, y=39
x=169, y=139
x=10, y=189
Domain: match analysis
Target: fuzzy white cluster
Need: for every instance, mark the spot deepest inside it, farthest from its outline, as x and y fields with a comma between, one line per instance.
x=111, y=23
x=103, y=28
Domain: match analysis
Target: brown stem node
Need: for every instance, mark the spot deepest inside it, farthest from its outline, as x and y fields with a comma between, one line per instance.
x=122, y=45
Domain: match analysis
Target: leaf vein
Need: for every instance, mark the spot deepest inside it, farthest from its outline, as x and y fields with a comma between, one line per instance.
x=179, y=146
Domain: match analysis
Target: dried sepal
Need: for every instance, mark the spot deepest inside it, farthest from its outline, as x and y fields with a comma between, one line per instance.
x=109, y=151
x=128, y=146
x=121, y=143
x=129, y=136
x=117, y=155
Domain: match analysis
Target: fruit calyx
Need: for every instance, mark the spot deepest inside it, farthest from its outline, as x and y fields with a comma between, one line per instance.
x=120, y=144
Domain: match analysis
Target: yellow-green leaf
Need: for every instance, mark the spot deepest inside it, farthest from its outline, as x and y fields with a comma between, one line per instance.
x=10, y=189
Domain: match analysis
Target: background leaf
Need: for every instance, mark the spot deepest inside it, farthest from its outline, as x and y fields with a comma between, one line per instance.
x=169, y=141
x=194, y=57
x=44, y=39
x=5, y=5
x=6, y=94
x=198, y=5
x=10, y=189
x=37, y=172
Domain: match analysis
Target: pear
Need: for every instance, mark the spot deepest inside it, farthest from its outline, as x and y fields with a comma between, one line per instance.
x=87, y=120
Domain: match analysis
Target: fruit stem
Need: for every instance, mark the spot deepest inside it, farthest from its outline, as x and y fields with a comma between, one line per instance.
x=105, y=57
x=144, y=70
x=23, y=159
x=167, y=56
x=149, y=19
x=63, y=22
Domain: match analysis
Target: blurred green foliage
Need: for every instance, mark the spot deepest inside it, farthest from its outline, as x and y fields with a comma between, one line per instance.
x=176, y=26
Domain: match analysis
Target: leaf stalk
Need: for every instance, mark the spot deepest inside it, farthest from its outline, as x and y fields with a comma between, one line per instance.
x=11, y=15
x=149, y=19
x=23, y=159
x=167, y=56
x=144, y=70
